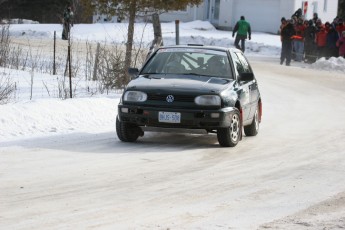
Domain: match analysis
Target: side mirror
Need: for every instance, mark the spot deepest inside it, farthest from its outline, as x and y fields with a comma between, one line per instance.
x=246, y=77
x=133, y=72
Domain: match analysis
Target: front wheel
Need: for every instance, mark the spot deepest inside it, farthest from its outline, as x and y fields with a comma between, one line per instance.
x=229, y=137
x=127, y=132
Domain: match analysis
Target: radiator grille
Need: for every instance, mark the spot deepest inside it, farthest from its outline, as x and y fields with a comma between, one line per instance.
x=177, y=98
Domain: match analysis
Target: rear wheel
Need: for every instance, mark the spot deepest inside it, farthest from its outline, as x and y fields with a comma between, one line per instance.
x=253, y=128
x=229, y=137
x=127, y=132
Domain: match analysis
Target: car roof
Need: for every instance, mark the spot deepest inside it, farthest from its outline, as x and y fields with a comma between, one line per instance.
x=197, y=46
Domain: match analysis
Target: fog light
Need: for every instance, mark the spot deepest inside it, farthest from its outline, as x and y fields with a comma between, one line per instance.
x=124, y=110
x=215, y=115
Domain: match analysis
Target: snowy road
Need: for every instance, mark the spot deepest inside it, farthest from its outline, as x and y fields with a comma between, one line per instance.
x=290, y=176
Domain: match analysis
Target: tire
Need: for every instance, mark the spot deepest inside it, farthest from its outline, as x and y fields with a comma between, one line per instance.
x=127, y=132
x=253, y=128
x=229, y=137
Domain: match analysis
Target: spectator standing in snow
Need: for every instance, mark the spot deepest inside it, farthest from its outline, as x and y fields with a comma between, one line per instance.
x=287, y=32
x=341, y=45
x=321, y=41
x=298, y=40
x=332, y=38
x=309, y=42
x=340, y=26
x=315, y=18
x=283, y=23
x=318, y=25
x=297, y=15
x=243, y=29
x=67, y=22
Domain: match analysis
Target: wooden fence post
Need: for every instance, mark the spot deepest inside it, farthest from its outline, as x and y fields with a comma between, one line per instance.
x=54, y=62
x=95, y=68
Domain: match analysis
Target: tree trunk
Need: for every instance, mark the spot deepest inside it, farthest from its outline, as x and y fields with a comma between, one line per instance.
x=129, y=44
x=157, y=31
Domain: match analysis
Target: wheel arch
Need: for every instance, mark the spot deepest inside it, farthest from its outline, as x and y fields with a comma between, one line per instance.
x=260, y=109
x=239, y=107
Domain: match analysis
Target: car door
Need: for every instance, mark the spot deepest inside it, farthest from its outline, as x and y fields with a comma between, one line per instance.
x=243, y=90
x=252, y=86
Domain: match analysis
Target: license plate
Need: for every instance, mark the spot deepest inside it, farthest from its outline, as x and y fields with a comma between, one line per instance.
x=169, y=117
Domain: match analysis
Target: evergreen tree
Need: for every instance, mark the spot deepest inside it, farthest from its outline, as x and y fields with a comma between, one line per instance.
x=43, y=11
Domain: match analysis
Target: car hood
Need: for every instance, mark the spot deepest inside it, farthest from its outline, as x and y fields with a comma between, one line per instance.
x=183, y=83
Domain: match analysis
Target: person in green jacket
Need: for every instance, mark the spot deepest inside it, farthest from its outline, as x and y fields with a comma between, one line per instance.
x=242, y=28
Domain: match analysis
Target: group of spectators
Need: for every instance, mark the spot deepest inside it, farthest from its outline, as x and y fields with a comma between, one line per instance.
x=309, y=40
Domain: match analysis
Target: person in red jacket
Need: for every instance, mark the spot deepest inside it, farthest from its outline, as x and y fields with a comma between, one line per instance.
x=321, y=42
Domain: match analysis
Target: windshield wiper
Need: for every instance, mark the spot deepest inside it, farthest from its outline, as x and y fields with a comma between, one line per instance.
x=197, y=74
x=148, y=76
x=149, y=73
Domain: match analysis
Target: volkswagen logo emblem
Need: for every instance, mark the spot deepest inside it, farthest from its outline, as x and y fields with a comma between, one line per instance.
x=170, y=98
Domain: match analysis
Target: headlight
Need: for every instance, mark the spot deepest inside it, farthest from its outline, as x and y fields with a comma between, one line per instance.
x=135, y=96
x=208, y=100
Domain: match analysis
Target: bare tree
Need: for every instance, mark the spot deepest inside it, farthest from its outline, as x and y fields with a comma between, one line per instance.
x=4, y=44
x=132, y=8
x=6, y=89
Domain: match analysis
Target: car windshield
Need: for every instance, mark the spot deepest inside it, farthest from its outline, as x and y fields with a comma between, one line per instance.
x=189, y=61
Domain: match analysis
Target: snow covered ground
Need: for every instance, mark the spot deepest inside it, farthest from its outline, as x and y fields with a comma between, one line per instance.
x=46, y=86
x=62, y=166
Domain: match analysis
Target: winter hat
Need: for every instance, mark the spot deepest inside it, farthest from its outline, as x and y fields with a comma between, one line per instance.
x=242, y=17
x=283, y=19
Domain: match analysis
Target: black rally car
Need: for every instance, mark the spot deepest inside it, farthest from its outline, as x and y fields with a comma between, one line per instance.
x=193, y=89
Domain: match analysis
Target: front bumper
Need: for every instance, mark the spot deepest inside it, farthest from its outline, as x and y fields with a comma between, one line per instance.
x=190, y=118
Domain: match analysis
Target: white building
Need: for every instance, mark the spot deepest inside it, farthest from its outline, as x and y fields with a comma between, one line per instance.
x=263, y=15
